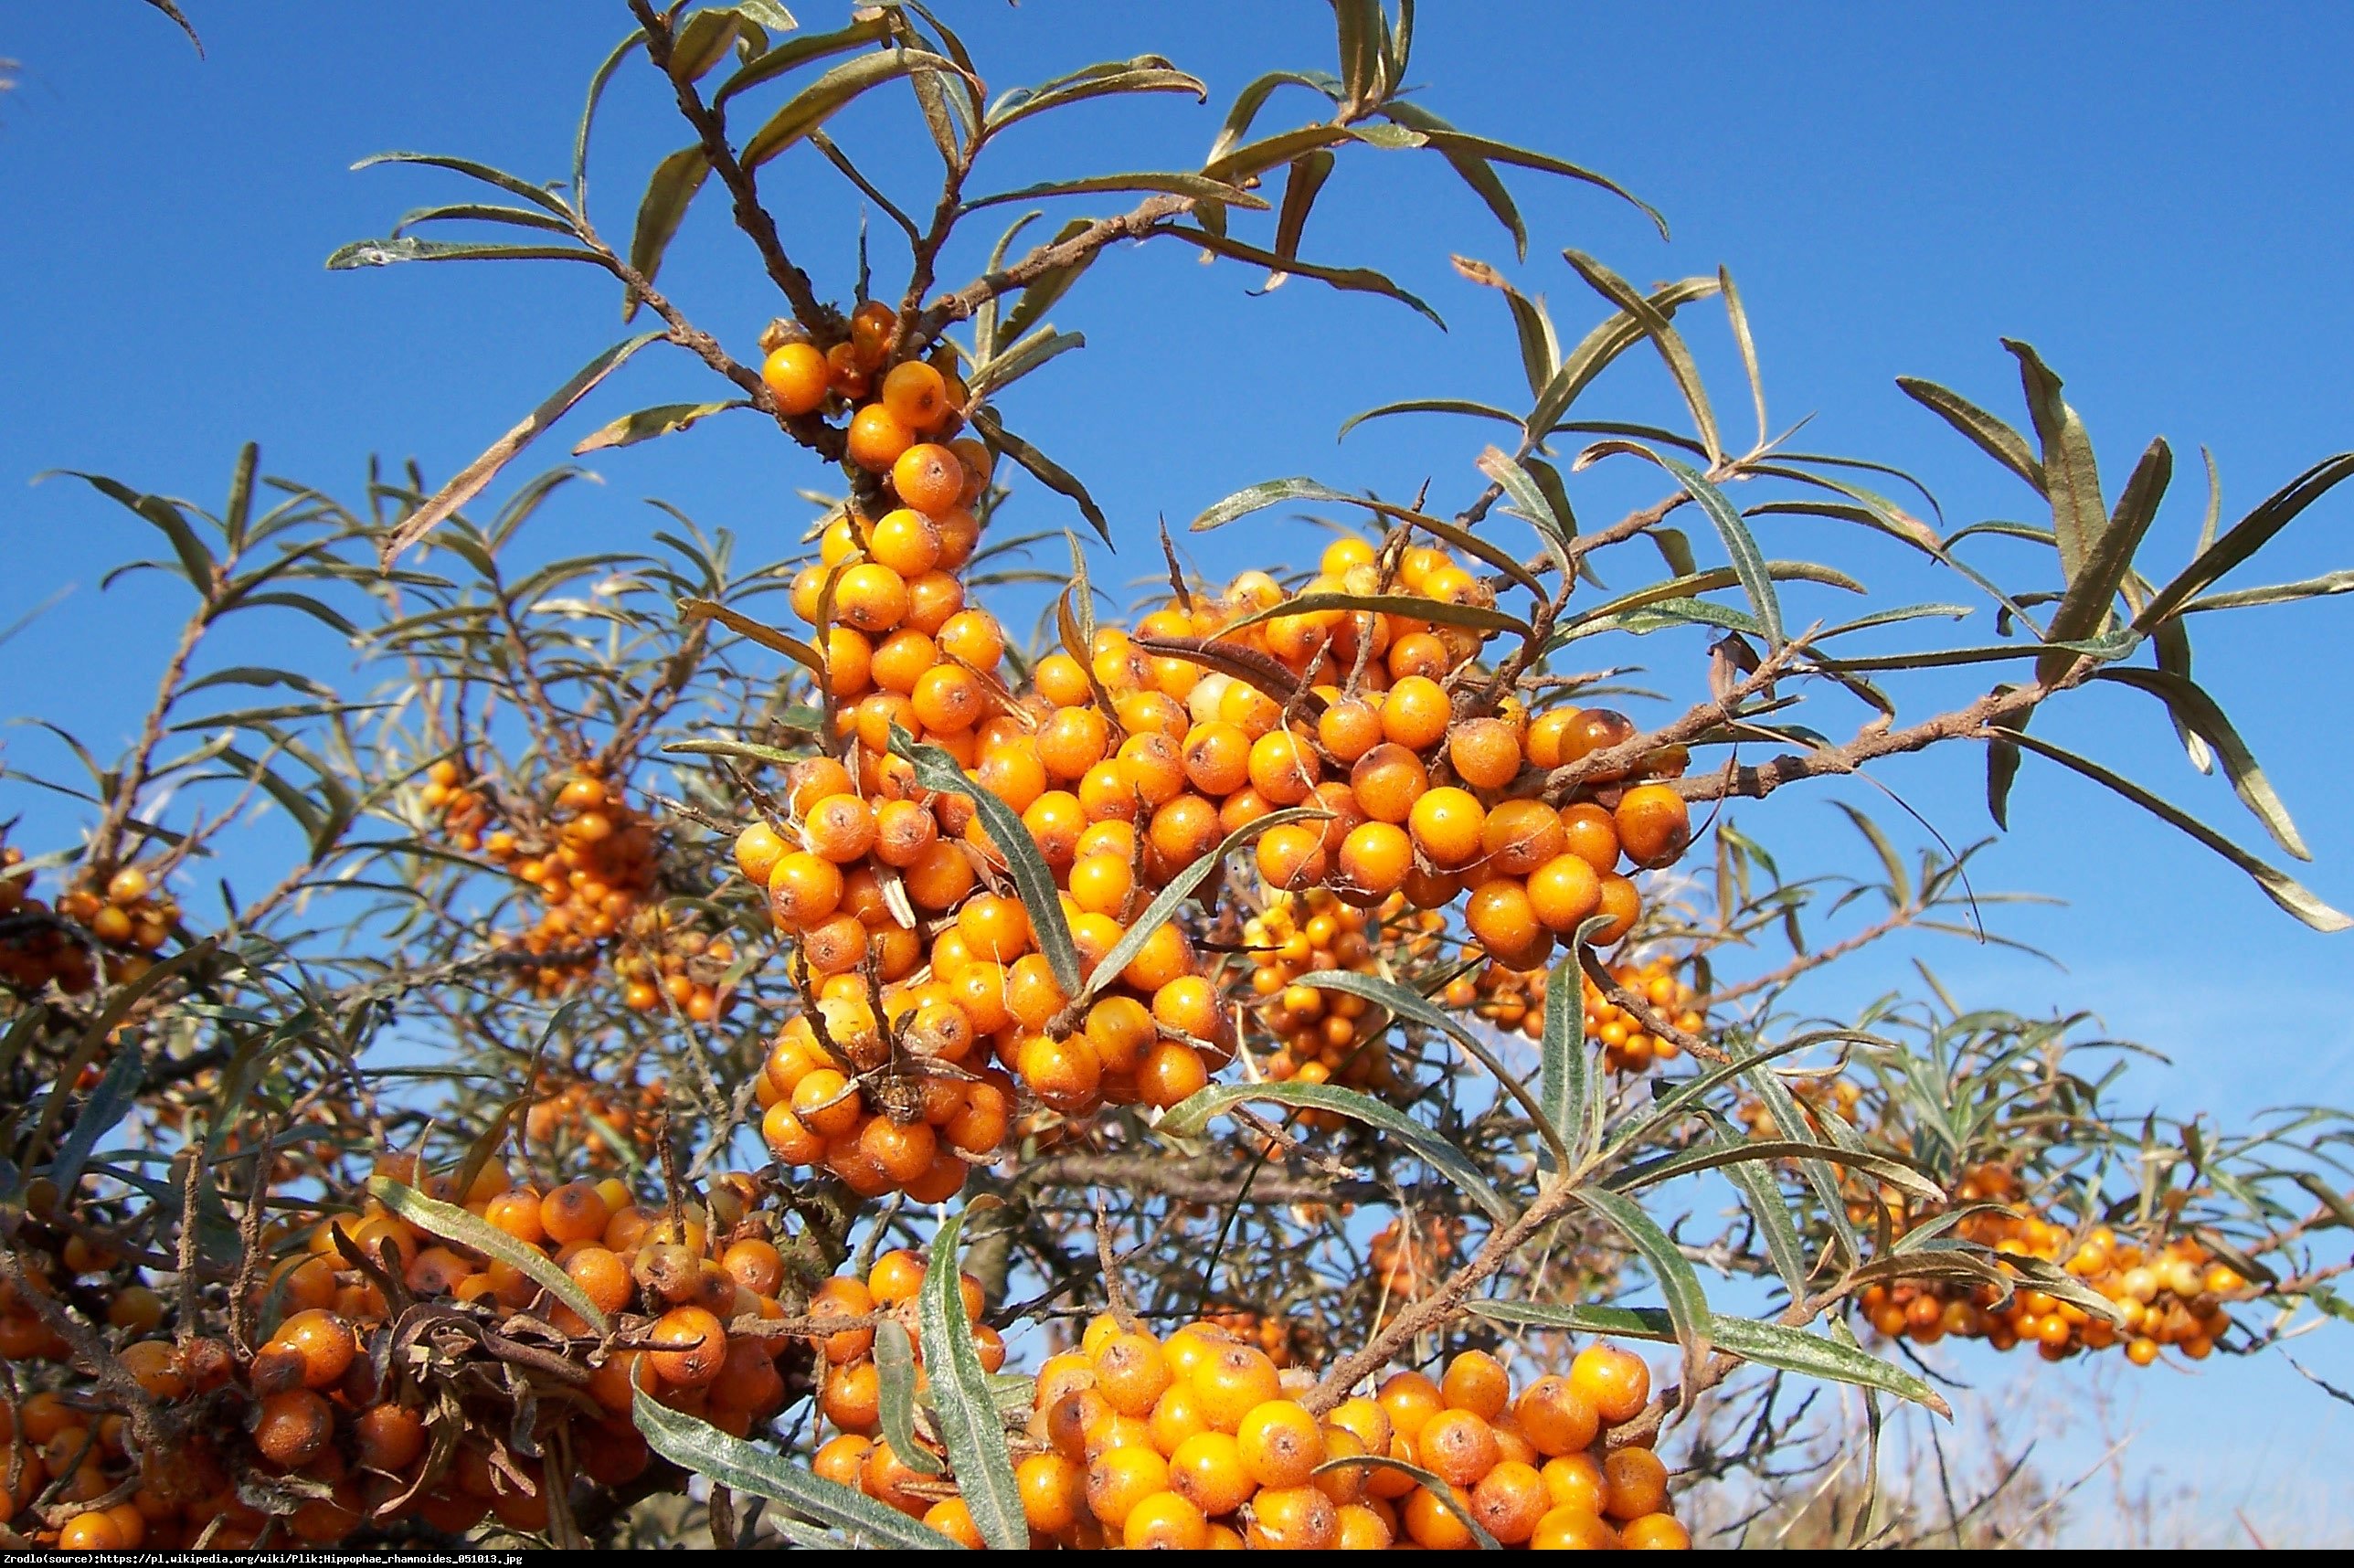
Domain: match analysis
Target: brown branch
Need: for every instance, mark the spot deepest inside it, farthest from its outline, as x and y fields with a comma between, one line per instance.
x=1443, y=1303
x=1563, y=781
x=1140, y=223
x=106, y=843
x=750, y=216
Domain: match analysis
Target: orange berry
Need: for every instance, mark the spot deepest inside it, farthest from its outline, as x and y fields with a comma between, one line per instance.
x=1457, y=1445
x=1655, y=1532
x=1447, y=824
x=1235, y=1380
x=1120, y=1478
x=877, y=438
x=1563, y=891
x=1166, y=1521
x=870, y=598
x=1208, y=1470
x=1504, y=918
x=1280, y=1444
x=1054, y=1491
x=915, y=395
x=1291, y=856
x=1415, y=713
x=1592, y=834
x=926, y=477
x=1519, y=836
x=1615, y=1383
x=1565, y=1528
x=1293, y=1519
x=797, y=375
x=690, y=1344
x=1555, y=1418
x=1474, y=1381
x=1654, y=825
x=1634, y=1483
x=1283, y=768
x=1508, y=1500
x=293, y=1427
x=1623, y=904
x=1486, y=752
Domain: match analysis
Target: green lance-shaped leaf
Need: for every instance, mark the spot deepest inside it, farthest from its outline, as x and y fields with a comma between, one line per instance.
x=668, y=192
x=1539, y=351
x=2322, y=586
x=407, y=248
x=799, y=51
x=894, y=1380
x=1188, y=1118
x=1309, y=173
x=475, y=1233
x=1145, y=73
x=471, y=481
x=1354, y=280
x=2248, y=535
x=2070, y=477
x=1894, y=1173
x=2281, y=888
x=1762, y=1195
x=1687, y=1305
x=1672, y=349
x=1428, y=406
x=1032, y=879
x=1737, y=317
x=2201, y=716
x=1047, y=471
x=1253, y=98
x=513, y=185
x=703, y=1449
x=1164, y=905
x=1004, y=369
x=105, y=1107
x=1172, y=183
x=822, y=99
x=1479, y=617
x=1748, y=563
x=1566, y=1084
x=195, y=561
x=597, y=85
x=962, y=1401
x=704, y=42
x=1767, y=1344
x=1040, y=294
x=1404, y=1003
x=692, y=610
x=2084, y=608
x=181, y=21
x=1594, y=352
x=661, y=420
x=1988, y=433
x=1713, y=580
x=1360, y=26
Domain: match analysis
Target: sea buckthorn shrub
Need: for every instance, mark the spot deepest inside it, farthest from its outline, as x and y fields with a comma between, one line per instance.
x=623, y=1044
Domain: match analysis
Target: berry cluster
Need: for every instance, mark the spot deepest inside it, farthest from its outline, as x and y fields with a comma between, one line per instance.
x=130, y=918
x=2167, y=1292
x=318, y=1429
x=1199, y=1440
x=1321, y=1036
x=590, y=873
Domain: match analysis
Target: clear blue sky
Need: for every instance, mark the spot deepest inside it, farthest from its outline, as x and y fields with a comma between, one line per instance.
x=2155, y=197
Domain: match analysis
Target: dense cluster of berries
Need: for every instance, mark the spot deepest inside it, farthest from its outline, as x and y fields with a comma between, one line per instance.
x=457, y=804
x=1410, y=1256
x=1320, y=1035
x=319, y=1422
x=1815, y=1097
x=2173, y=1293
x=588, y=1113
x=1512, y=999
x=1287, y=1341
x=130, y=917
x=591, y=873
x=1199, y=1440
x=850, y=1389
